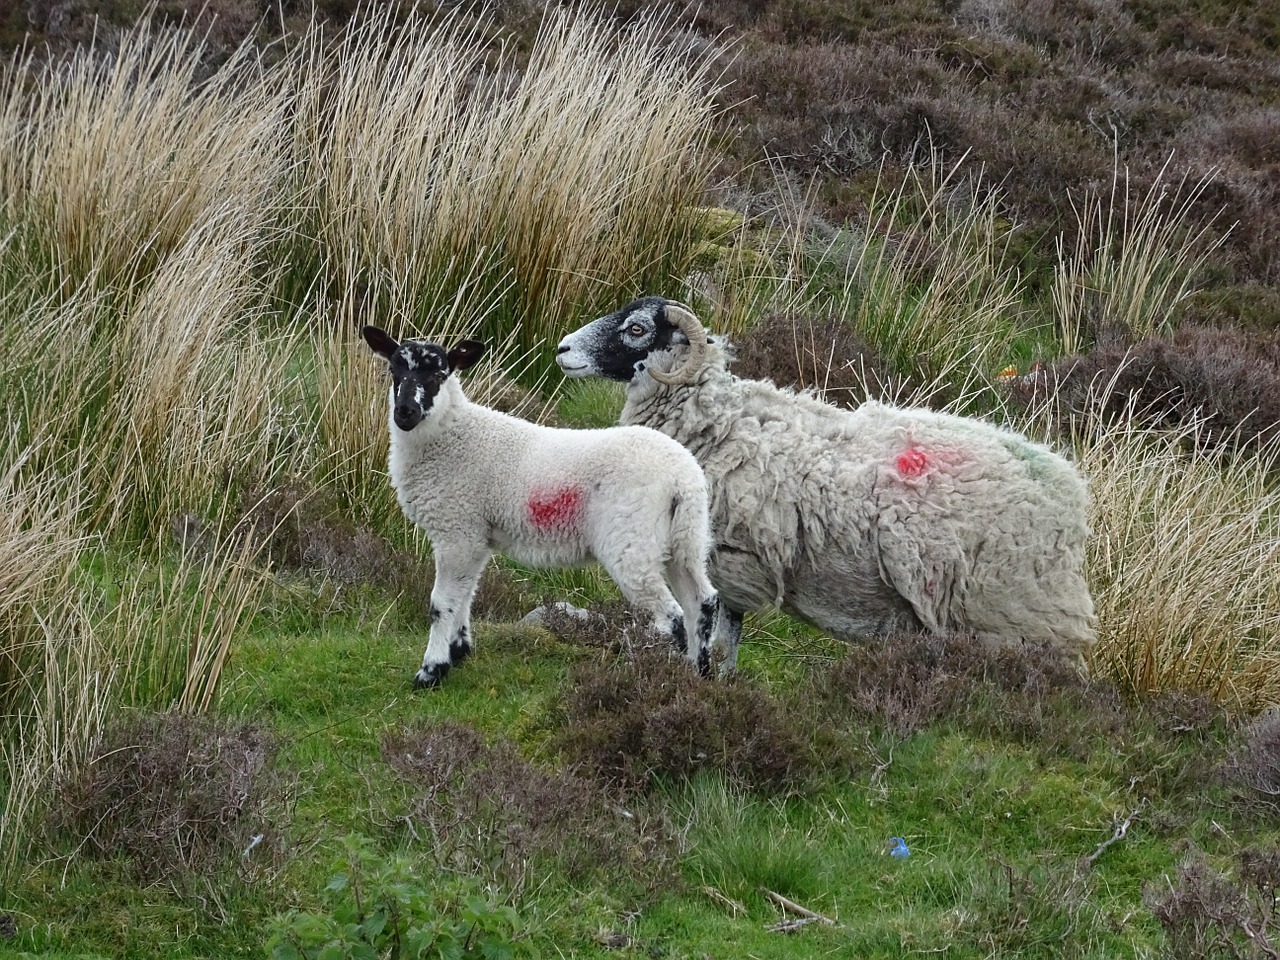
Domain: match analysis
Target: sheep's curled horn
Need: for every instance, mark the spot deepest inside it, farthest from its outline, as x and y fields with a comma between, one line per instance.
x=692, y=328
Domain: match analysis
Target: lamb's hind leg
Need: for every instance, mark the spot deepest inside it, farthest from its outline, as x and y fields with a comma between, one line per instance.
x=450, y=642
x=648, y=591
x=701, y=609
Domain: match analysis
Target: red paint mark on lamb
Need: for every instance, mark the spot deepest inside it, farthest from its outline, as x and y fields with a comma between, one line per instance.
x=912, y=462
x=555, y=507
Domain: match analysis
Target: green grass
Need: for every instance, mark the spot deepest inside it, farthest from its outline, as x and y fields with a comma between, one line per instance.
x=996, y=827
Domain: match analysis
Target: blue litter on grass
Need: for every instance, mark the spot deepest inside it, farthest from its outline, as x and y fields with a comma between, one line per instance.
x=899, y=849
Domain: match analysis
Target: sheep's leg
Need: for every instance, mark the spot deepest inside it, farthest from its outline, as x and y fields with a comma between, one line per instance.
x=701, y=606
x=648, y=591
x=729, y=635
x=450, y=642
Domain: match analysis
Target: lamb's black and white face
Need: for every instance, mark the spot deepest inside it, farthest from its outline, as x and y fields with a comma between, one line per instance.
x=418, y=371
x=616, y=345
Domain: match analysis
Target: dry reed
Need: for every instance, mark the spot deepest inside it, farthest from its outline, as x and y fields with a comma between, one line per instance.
x=461, y=184
x=1184, y=563
x=1135, y=260
x=53, y=679
x=111, y=159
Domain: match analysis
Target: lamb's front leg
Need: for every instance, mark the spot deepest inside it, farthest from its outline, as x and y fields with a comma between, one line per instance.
x=450, y=642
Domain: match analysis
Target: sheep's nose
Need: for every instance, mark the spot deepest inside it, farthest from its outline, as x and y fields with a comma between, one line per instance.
x=563, y=348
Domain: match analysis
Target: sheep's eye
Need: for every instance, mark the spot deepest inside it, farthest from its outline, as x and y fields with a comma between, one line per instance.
x=636, y=329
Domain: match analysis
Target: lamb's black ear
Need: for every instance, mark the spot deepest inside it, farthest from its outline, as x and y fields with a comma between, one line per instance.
x=465, y=355
x=380, y=341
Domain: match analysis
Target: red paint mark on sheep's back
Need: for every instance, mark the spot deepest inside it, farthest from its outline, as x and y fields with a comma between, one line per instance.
x=556, y=507
x=913, y=462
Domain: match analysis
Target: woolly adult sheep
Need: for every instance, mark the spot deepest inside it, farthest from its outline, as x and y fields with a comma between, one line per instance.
x=861, y=522
x=478, y=481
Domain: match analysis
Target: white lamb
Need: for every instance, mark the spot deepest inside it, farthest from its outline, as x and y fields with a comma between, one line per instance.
x=860, y=522
x=478, y=481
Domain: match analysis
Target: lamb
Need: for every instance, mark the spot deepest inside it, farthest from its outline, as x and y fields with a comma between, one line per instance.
x=860, y=522
x=478, y=481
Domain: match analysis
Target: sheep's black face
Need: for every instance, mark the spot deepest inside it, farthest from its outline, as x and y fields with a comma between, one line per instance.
x=616, y=346
x=418, y=371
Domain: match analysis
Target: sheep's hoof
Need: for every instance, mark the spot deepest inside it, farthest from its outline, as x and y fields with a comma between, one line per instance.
x=459, y=652
x=704, y=663
x=430, y=676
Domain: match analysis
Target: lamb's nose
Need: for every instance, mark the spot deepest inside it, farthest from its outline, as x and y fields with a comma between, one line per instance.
x=563, y=348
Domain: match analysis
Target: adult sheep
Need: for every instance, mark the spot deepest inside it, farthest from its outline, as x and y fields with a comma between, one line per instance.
x=859, y=521
x=479, y=481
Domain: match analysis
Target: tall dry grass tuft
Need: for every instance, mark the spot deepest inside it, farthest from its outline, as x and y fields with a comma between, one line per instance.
x=158, y=400
x=54, y=683
x=934, y=296
x=512, y=197
x=139, y=196
x=70, y=693
x=110, y=160
x=1135, y=260
x=73, y=646
x=174, y=618
x=1184, y=563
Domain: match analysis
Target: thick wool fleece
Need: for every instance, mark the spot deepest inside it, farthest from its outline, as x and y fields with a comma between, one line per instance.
x=544, y=496
x=879, y=518
x=477, y=480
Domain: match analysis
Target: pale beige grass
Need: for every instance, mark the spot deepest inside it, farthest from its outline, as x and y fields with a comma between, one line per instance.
x=54, y=682
x=1184, y=563
x=1136, y=259
x=111, y=160
x=175, y=620
x=460, y=183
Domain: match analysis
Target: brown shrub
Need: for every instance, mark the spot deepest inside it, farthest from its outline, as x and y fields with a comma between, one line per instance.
x=176, y=794
x=902, y=684
x=634, y=723
x=1227, y=380
x=906, y=682
x=485, y=809
x=1208, y=914
x=1253, y=767
x=824, y=355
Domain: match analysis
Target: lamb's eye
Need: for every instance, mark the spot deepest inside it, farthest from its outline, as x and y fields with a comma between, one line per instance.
x=636, y=329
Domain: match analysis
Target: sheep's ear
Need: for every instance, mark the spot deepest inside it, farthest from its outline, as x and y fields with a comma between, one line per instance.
x=380, y=341
x=465, y=355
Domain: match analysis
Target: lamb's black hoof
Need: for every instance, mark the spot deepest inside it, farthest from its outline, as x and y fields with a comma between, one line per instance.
x=704, y=663
x=430, y=676
x=459, y=652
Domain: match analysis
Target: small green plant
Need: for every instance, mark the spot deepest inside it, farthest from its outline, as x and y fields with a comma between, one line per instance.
x=380, y=906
